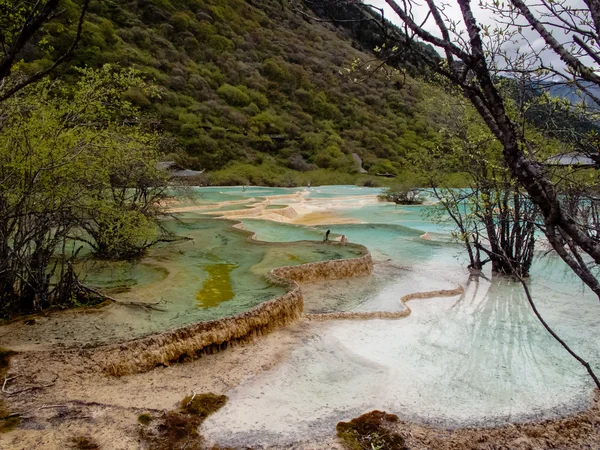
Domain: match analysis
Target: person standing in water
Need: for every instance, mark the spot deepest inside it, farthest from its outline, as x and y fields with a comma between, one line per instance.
x=327, y=236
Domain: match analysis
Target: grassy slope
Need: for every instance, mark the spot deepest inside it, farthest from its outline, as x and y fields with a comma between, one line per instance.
x=251, y=90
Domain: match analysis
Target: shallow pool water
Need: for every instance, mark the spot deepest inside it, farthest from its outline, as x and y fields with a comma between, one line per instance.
x=480, y=358
x=216, y=271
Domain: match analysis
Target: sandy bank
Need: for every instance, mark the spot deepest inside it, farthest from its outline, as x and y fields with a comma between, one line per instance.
x=295, y=208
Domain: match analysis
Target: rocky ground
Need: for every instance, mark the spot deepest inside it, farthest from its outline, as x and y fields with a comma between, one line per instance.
x=63, y=402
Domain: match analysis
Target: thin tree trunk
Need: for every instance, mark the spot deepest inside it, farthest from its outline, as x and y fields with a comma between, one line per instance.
x=584, y=363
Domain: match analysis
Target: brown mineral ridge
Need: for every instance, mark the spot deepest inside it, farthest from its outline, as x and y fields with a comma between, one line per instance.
x=578, y=432
x=195, y=340
x=405, y=312
x=84, y=402
x=61, y=394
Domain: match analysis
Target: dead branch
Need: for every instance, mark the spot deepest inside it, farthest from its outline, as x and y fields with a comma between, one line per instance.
x=90, y=290
x=145, y=305
x=31, y=388
x=6, y=380
x=191, y=399
x=52, y=406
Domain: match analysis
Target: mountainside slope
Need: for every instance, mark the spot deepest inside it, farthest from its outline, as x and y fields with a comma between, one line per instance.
x=255, y=84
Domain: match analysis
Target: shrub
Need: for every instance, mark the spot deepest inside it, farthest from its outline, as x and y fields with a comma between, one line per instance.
x=331, y=156
x=221, y=44
x=275, y=70
x=383, y=167
x=369, y=182
x=233, y=96
x=258, y=98
x=268, y=122
x=297, y=162
x=145, y=418
x=180, y=21
x=404, y=193
x=371, y=431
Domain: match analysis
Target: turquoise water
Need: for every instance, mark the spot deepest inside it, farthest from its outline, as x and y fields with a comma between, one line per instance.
x=178, y=271
x=216, y=271
x=235, y=193
x=481, y=358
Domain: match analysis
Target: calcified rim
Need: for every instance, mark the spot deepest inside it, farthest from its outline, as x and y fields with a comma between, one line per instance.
x=194, y=340
x=405, y=312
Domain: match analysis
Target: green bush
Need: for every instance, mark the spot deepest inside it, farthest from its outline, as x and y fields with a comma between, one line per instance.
x=404, y=193
x=275, y=70
x=221, y=44
x=233, y=96
x=253, y=68
x=180, y=21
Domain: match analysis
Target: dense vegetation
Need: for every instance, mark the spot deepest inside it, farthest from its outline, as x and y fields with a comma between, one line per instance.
x=253, y=91
x=76, y=165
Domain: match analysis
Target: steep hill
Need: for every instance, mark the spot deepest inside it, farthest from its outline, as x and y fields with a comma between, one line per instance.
x=255, y=92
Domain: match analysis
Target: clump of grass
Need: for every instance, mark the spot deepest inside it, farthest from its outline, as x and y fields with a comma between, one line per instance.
x=145, y=418
x=6, y=423
x=174, y=430
x=179, y=429
x=203, y=405
x=9, y=424
x=371, y=431
x=5, y=356
x=84, y=443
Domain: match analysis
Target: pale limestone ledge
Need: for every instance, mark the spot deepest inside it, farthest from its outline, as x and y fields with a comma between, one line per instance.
x=364, y=315
x=191, y=341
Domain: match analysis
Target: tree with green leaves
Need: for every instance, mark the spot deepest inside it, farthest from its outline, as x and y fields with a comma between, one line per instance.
x=403, y=193
x=76, y=164
x=492, y=213
x=29, y=23
x=479, y=57
x=476, y=55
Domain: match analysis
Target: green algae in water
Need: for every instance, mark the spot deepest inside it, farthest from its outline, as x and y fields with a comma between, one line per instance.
x=294, y=258
x=217, y=288
x=121, y=276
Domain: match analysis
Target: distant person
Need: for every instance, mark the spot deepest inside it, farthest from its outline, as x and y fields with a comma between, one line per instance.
x=327, y=236
x=344, y=239
x=308, y=185
x=426, y=236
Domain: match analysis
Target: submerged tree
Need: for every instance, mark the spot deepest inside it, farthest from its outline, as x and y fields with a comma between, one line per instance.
x=476, y=54
x=477, y=57
x=404, y=193
x=492, y=213
x=71, y=159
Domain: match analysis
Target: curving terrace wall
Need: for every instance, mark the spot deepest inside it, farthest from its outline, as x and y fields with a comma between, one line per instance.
x=326, y=270
x=363, y=315
x=192, y=341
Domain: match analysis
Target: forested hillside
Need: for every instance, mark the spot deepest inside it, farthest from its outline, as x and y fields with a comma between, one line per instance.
x=255, y=92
